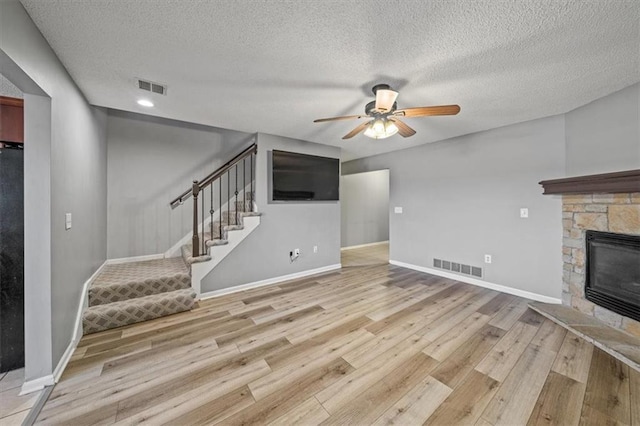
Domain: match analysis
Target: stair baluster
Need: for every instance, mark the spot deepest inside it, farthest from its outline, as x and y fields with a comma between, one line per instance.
x=235, y=206
x=195, y=243
x=203, y=248
x=244, y=186
x=251, y=195
x=199, y=246
x=211, y=211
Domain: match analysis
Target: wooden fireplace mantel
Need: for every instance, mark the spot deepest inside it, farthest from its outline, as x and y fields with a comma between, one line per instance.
x=610, y=183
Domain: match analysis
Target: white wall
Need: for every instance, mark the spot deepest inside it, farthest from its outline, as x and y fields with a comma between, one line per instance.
x=75, y=152
x=461, y=200
x=284, y=226
x=150, y=162
x=364, y=206
x=604, y=135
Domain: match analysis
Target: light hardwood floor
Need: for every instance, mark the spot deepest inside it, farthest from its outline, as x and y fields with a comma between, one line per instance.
x=371, y=255
x=14, y=408
x=374, y=344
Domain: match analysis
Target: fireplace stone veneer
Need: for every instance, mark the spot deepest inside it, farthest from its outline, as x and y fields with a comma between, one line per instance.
x=617, y=213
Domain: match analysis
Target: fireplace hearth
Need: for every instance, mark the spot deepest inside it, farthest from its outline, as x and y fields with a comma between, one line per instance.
x=613, y=272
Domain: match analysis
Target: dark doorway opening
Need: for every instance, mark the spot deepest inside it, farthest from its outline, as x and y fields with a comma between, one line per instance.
x=11, y=235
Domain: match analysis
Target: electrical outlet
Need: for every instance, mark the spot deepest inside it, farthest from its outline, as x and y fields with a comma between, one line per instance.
x=487, y=258
x=315, y=249
x=524, y=212
x=397, y=210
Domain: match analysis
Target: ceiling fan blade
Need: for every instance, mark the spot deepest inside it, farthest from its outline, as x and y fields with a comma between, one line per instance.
x=404, y=130
x=357, y=130
x=344, y=117
x=385, y=99
x=428, y=111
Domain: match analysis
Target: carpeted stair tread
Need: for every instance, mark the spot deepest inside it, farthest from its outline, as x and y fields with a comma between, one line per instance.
x=187, y=255
x=229, y=218
x=118, y=314
x=138, y=279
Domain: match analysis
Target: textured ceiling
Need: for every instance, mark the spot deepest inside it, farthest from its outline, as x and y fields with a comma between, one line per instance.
x=274, y=66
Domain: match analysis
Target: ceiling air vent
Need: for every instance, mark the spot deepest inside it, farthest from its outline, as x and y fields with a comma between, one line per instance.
x=150, y=86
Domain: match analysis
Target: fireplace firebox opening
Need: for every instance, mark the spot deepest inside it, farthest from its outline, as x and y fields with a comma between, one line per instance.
x=613, y=272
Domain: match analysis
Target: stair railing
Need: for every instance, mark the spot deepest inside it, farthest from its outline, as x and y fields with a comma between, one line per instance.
x=198, y=191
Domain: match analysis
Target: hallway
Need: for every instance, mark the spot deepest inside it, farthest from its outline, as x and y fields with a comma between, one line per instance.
x=377, y=254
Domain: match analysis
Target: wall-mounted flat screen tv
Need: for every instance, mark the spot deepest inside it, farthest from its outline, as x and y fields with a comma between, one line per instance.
x=299, y=177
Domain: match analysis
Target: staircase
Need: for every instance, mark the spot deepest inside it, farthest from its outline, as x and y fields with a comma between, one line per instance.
x=128, y=293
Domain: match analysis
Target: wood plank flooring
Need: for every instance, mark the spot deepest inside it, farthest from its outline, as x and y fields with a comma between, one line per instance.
x=373, y=344
x=369, y=255
x=14, y=408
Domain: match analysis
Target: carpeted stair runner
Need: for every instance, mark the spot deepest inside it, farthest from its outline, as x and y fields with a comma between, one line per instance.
x=127, y=293
x=231, y=221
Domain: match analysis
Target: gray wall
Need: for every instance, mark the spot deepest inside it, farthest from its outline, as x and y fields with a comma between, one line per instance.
x=77, y=185
x=151, y=161
x=37, y=236
x=604, y=135
x=364, y=207
x=284, y=226
x=461, y=200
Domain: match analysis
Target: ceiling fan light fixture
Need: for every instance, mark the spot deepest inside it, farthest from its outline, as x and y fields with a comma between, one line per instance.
x=385, y=99
x=381, y=129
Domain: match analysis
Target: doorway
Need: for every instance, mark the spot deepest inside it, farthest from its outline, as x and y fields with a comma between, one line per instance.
x=11, y=233
x=364, y=207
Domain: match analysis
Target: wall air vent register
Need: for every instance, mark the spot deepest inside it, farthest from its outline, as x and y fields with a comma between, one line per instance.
x=458, y=268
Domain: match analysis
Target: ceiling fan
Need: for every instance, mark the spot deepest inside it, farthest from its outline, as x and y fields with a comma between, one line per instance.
x=384, y=115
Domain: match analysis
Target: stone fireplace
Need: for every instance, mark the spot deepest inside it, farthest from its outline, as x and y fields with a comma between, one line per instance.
x=595, y=203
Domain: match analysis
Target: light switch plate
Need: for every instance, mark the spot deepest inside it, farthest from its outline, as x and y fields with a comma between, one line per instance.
x=524, y=212
x=67, y=221
x=397, y=209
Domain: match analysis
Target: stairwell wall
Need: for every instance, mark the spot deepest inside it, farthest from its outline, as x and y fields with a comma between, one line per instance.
x=264, y=254
x=152, y=160
x=65, y=172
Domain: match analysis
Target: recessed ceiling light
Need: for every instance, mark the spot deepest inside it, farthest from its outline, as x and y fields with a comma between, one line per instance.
x=145, y=103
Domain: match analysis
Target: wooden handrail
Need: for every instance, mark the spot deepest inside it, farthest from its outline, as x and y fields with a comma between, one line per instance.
x=214, y=175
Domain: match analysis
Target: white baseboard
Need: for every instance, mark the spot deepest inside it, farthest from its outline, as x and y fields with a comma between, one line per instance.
x=365, y=245
x=135, y=259
x=51, y=379
x=77, y=331
x=269, y=281
x=64, y=360
x=36, y=384
x=480, y=283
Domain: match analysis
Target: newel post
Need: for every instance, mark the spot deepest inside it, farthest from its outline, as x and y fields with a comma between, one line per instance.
x=195, y=242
